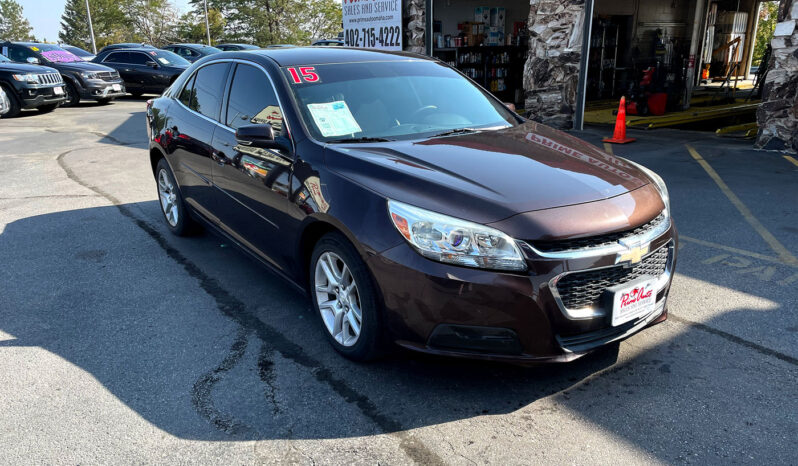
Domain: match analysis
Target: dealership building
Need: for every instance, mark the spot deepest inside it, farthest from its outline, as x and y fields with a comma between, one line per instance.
x=679, y=63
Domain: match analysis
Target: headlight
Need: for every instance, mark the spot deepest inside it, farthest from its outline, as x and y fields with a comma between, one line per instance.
x=659, y=183
x=89, y=75
x=30, y=78
x=454, y=241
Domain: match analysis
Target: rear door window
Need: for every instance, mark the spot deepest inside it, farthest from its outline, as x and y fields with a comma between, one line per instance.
x=187, y=92
x=206, y=96
x=116, y=57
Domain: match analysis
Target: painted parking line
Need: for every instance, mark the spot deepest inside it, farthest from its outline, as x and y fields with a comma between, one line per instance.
x=792, y=160
x=784, y=254
x=737, y=251
x=608, y=148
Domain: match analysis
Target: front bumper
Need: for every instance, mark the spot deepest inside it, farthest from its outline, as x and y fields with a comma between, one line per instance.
x=39, y=96
x=500, y=316
x=97, y=89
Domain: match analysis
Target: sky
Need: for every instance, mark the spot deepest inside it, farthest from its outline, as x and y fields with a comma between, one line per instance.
x=45, y=16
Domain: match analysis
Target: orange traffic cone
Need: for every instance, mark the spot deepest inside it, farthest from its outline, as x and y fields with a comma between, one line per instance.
x=619, y=136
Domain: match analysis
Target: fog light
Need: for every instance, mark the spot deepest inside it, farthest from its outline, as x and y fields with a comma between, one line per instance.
x=473, y=338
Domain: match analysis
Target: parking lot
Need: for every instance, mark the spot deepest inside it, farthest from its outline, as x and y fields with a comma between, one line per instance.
x=122, y=343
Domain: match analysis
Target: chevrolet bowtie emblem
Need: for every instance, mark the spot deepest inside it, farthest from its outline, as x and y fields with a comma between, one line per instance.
x=634, y=252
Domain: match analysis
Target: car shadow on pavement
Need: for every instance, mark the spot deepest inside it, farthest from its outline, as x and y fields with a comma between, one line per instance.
x=205, y=344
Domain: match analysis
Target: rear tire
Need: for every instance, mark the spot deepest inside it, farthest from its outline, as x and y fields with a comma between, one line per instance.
x=340, y=286
x=48, y=108
x=72, y=96
x=173, y=208
x=12, y=99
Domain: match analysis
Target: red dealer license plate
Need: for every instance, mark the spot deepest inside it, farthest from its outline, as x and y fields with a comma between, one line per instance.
x=633, y=300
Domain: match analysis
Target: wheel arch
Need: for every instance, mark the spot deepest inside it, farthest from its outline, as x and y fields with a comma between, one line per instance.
x=311, y=235
x=156, y=154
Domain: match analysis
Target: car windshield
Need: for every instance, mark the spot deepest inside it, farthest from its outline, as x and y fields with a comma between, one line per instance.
x=391, y=100
x=77, y=51
x=54, y=53
x=207, y=49
x=167, y=58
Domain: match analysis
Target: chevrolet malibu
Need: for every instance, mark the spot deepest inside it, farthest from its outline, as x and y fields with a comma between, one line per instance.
x=412, y=206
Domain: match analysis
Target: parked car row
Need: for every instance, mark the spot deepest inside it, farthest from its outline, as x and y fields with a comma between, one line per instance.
x=44, y=76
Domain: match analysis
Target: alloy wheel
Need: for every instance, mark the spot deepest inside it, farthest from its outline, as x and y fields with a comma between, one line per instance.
x=168, y=197
x=338, y=299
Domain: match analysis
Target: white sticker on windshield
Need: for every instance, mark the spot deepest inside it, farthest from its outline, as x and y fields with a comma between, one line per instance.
x=163, y=60
x=334, y=118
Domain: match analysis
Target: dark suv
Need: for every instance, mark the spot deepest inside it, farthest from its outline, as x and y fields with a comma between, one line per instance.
x=29, y=86
x=144, y=70
x=83, y=80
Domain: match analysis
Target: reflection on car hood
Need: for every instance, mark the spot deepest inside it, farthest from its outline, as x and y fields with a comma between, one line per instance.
x=25, y=68
x=488, y=176
x=81, y=66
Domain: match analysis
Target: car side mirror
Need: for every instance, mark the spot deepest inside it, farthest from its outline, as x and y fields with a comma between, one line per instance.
x=261, y=135
x=32, y=60
x=151, y=64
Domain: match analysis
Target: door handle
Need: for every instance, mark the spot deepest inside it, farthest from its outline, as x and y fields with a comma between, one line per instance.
x=225, y=144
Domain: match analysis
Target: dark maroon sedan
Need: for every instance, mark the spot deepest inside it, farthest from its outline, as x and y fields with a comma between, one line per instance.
x=413, y=206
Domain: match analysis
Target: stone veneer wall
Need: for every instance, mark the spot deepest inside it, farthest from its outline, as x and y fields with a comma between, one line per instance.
x=778, y=114
x=551, y=71
x=415, y=25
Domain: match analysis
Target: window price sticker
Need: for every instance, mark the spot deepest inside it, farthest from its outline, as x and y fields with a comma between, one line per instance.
x=334, y=118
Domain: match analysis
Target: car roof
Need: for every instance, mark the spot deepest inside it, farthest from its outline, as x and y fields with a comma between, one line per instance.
x=290, y=56
x=189, y=45
x=133, y=49
x=129, y=45
x=28, y=43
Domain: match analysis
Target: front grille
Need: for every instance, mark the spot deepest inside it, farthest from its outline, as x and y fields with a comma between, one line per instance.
x=580, y=290
x=108, y=75
x=596, y=241
x=50, y=78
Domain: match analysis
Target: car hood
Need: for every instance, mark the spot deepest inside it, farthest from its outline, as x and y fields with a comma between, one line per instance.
x=175, y=69
x=79, y=66
x=488, y=176
x=25, y=68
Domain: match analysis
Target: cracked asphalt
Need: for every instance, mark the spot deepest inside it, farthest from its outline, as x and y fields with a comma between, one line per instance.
x=122, y=344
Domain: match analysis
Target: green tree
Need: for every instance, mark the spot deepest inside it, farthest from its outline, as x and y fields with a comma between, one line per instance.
x=151, y=21
x=107, y=17
x=191, y=27
x=768, y=13
x=266, y=22
x=13, y=24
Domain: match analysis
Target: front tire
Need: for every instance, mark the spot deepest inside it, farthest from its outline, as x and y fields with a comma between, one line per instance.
x=72, y=95
x=345, y=299
x=171, y=201
x=12, y=99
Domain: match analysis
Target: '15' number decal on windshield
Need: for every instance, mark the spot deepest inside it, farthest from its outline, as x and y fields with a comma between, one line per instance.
x=306, y=74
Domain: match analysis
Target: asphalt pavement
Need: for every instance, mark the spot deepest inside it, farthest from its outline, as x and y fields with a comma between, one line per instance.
x=120, y=343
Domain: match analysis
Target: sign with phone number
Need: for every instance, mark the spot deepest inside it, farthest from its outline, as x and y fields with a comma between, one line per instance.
x=373, y=24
